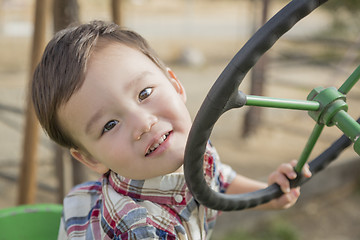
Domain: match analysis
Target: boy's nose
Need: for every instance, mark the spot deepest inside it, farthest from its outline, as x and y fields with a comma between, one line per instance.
x=143, y=124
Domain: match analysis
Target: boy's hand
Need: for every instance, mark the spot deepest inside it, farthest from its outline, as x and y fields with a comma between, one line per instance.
x=281, y=176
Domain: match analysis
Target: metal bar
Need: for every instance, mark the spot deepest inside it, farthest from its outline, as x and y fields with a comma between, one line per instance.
x=261, y=101
x=347, y=125
x=350, y=82
x=309, y=146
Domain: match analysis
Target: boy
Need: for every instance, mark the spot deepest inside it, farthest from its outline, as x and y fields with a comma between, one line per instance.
x=101, y=92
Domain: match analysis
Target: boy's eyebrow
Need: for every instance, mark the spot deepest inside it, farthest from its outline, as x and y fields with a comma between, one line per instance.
x=93, y=120
x=138, y=78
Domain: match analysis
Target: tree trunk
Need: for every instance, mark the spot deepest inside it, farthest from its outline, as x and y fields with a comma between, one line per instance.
x=28, y=171
x=66, y=12
x=116, y=7
x=253, y=115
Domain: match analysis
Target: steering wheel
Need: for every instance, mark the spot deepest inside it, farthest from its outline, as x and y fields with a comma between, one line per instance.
x=325, y=106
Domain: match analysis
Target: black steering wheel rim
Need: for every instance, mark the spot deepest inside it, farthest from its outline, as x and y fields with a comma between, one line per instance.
x=224, y=95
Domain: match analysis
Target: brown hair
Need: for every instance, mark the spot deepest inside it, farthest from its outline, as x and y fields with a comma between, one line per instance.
x=61, y=70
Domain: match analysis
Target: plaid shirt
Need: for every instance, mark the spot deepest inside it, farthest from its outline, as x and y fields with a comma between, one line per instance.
x=159, y=208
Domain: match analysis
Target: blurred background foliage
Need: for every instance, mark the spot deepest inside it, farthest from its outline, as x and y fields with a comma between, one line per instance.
x=345, y=15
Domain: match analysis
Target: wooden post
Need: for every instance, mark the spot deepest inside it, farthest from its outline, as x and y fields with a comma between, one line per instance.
x=65, y=13
x=28, y=171
x=116, y=7
x=253, y=115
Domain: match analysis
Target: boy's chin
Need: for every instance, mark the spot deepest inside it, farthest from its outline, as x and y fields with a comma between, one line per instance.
x=180, y=169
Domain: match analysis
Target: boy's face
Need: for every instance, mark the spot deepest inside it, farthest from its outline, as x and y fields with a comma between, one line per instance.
x=128, y=115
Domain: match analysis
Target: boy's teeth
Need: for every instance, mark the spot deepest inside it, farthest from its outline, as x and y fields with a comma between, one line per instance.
x=156, y=145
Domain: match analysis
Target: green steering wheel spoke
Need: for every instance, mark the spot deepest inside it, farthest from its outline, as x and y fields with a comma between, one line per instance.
x=332, y=110
x=262, y=101
x=326, y=106
x=309, y=147
x=347, y=125
x=351, y=81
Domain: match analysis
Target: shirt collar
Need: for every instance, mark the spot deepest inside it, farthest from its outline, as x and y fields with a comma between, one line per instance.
x=169, y=189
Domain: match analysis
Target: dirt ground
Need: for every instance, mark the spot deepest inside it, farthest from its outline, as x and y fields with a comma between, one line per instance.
x=197, y=40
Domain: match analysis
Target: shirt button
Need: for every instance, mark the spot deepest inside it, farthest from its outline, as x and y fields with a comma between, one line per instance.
x=178, y=198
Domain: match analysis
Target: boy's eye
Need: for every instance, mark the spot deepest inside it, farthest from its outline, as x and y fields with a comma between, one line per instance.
x=145, y=93
x=109, y=125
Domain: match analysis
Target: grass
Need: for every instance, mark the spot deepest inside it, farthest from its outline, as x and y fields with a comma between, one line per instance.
x=277, y=229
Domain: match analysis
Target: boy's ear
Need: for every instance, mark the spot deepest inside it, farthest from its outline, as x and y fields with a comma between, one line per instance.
x=177, y=84
x=88, y=161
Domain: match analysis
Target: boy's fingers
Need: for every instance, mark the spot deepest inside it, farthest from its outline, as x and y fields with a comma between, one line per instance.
x=293, y=162
x=292, y=197
x=288, y=199
x=288, y=170
x=296, y=192
x=306, y=171
x=285, y=172
x=282, y=181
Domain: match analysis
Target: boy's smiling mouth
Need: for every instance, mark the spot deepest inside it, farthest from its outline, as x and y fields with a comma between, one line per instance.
x=156, y=144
